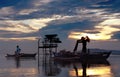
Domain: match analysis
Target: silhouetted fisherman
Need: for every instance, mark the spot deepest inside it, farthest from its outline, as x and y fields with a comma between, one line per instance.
x=84, y=41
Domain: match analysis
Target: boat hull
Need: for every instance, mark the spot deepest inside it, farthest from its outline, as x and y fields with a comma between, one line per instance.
x=21, y=55
x=90, y=57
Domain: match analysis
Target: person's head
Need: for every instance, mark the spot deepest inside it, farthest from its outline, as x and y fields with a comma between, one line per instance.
x=87, y=39
x=17, y=46
x=82, y=38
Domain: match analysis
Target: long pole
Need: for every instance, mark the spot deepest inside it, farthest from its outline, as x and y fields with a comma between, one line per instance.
x=38, y=52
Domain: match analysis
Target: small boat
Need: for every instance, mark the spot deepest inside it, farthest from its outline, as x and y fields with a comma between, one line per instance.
x=21, y=55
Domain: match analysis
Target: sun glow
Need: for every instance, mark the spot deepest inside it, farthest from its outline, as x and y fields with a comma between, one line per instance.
x=102, y=31
x=77, y=35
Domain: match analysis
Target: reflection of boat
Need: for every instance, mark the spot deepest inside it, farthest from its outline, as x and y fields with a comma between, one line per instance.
x=21, y=55
x=93, y=71
x=67, y=61
x=87, y=68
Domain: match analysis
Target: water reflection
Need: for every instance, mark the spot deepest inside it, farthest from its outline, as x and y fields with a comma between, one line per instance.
x=93, y=71
x=84, y=69
x=54, y=68
x=49, y=67
x=18, y=60
x=76, y=69
x=21, y=72
x=19, y=67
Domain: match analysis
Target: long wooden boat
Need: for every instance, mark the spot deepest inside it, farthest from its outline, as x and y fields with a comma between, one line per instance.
x=21, y=55
x=98, y=56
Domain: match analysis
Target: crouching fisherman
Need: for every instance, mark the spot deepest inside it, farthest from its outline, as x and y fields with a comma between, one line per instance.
x=18, y=50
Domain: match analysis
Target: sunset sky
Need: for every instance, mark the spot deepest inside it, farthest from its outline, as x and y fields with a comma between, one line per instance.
x=22, y=21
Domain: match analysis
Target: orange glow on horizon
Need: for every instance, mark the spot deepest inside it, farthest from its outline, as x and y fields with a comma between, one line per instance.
x=16, y=72
x=94, y=71
x=19, y=39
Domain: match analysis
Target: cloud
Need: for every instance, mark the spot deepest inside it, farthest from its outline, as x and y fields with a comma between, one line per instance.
x=6, y=12
x=6, y=3
x=27, y=11
x=116, y=35
x=50, y=16
x=38, y=3
x=17, y=9
x=43, y=8
x=107, y=2
x=15, y=29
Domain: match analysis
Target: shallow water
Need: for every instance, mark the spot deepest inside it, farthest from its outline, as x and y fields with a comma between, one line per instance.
x=46, y=67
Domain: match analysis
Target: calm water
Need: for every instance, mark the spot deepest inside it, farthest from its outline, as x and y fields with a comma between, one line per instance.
x=10, y=67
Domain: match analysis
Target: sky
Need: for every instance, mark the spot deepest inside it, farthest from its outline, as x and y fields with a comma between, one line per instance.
x=23, y=21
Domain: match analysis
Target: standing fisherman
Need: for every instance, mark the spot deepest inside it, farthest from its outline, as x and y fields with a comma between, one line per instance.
x=84, y=41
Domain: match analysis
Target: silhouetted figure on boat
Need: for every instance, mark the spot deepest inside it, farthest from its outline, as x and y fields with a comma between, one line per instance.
x=18, y=50
x=84, y=41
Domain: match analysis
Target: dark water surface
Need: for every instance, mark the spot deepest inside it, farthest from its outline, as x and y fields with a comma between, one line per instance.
x=10, y=67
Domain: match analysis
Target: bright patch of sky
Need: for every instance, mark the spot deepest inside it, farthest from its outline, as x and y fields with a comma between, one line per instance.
x=105, y=31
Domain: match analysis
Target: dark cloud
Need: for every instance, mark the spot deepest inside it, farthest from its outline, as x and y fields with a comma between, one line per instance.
x=7, y=34
x=62, y=7
x=108, y=2
x=64, y=29
x=15, y=34
x=16, y=3
x=6, y=3
x=17, y=6
x=116, y=35
x=111, y=6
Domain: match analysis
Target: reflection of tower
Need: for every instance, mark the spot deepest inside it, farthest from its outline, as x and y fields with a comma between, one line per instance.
x=50, y=69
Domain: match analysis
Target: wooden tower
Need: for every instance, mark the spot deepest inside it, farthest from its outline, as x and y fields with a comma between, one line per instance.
x=49, y=43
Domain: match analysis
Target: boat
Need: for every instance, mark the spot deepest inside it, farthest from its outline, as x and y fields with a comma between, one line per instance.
x=22, y=55
x=85, y=54
x=89, y=57
x=98, y=55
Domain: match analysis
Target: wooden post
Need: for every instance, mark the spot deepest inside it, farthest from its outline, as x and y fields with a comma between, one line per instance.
x=38, y=51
